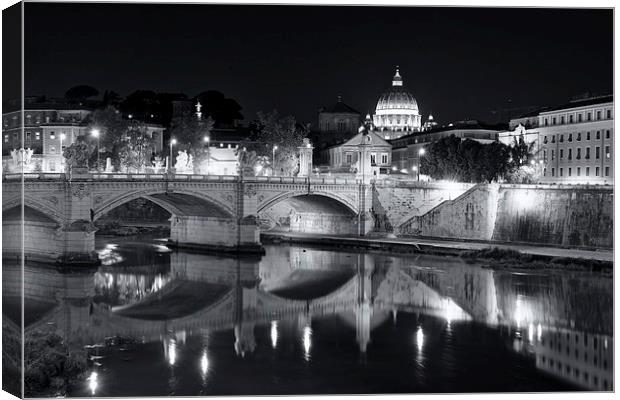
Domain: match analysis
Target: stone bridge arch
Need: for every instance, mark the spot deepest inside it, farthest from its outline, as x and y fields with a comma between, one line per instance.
x=349, y=202
x=36, y=204
x=175, y=202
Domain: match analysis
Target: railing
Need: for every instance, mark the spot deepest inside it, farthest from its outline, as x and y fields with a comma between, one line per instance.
x=46, y=176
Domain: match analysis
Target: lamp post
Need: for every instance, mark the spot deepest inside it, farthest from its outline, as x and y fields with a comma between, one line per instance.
x=62, y=157
x=172, y=143
x=273, y=158
x=420, y=154
x=95, y=133
x=207, y=139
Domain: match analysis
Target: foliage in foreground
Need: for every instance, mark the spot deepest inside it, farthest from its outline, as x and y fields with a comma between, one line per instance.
x=50, y=368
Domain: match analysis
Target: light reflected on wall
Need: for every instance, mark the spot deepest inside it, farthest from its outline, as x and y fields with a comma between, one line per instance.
x=530, y=333
x=539, y=333
x=307, y=342
x=452, y=312
x=274, y=334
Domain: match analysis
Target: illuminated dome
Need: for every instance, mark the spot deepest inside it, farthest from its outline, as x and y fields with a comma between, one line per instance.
x=397, y=110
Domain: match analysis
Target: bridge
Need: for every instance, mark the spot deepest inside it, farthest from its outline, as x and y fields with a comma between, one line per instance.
x=208, y=212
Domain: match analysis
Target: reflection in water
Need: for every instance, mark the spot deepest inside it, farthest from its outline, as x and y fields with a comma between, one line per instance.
x=463, y=318
x=274, y=334
x=307, y=342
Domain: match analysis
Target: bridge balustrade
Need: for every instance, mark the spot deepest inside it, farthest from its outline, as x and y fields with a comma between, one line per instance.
x=180, y=177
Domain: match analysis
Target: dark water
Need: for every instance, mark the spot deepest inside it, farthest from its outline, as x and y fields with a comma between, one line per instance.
x=312, y=321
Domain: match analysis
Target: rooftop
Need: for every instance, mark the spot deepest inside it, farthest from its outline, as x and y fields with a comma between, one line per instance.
x=339, y=108
x=583, y=102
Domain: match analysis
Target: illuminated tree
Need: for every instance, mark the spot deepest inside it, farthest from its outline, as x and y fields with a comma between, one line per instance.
x=467, y=160
x=135, y=150
x=271, y=130
x=78, y=154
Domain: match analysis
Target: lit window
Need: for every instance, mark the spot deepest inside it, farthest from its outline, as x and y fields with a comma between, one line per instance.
x=607, y=152
x=6, y=138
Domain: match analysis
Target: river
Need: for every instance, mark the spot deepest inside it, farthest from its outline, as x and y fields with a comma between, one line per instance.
x=306, y=320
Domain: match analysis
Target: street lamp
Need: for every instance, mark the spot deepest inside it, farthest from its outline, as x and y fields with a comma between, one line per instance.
x=172, y=143
x=420, y=153
x=95, y=133
x=273, y=158
x=207, y=139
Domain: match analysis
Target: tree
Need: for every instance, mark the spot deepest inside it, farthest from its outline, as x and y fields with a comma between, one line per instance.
x=111, y=98
x=222, y=110
x=190, y=134
x=271, y=130
x=466, y=160
x=78, y=94
x=135, y=150
x=78, y=154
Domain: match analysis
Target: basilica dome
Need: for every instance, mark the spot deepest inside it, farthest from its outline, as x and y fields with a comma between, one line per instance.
x=397, y=110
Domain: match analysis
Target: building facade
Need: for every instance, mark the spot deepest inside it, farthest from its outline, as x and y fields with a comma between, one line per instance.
x=573, y=143
x=339, y=119
x=46, y=131
x=397, y=112
x=345, y=157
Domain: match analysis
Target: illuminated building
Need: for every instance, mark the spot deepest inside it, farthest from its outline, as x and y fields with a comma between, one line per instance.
x=397, y=112
x=345, y=157
x=573, y=143
x=45, y=125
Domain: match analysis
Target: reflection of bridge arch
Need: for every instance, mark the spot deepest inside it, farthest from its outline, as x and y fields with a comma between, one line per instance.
x=348, y=203
x=177, y=202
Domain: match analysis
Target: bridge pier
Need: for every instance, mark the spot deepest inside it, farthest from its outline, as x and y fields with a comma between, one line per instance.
x=214, y=234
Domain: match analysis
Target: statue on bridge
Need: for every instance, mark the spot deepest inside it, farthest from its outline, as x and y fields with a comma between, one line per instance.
x=185, y=163
x=21, y=159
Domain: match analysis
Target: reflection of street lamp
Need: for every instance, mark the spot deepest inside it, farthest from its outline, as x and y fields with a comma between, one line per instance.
x=420, y=153
x=95, y=133
x=62, y=137
x=172, y=143
x=273, y=158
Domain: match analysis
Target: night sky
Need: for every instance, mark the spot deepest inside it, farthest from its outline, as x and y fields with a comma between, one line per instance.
x=458, y=63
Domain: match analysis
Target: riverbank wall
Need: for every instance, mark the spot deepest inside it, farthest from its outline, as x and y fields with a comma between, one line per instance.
x=558, y=215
